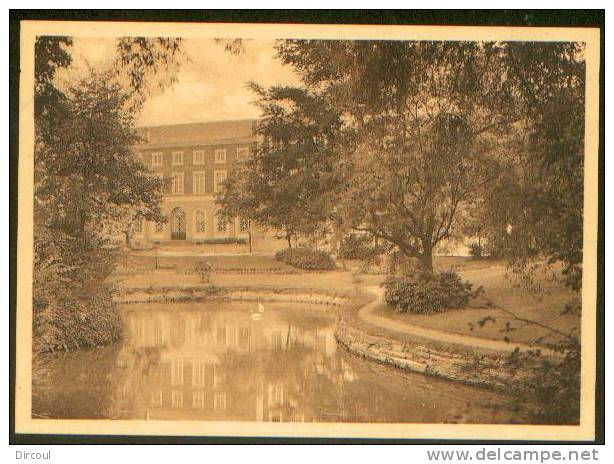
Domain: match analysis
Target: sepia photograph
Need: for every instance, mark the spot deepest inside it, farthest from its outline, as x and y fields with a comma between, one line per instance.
x=307, y=230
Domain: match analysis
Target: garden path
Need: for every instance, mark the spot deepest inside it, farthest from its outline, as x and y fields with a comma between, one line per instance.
x=369, y=315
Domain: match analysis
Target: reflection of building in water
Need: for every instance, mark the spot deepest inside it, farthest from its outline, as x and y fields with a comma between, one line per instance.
x=218, y=365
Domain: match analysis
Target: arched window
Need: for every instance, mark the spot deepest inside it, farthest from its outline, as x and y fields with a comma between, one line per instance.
x=200, y=224
x=178, y=224
x=243, y=224
x=222, y=222
x=158, y=227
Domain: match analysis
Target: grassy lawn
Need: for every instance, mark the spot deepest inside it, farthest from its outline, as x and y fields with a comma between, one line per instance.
x=243, y=270
x=222, y=263
x=440, y=263
x=329, y=280
x=544, y=308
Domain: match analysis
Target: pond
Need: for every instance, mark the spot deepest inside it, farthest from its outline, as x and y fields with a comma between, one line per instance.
x=246, y=361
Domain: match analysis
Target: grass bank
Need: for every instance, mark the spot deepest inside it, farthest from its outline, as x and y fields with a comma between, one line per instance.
x=544, y=308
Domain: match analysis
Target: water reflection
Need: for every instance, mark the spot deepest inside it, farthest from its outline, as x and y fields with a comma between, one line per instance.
x=213, y=361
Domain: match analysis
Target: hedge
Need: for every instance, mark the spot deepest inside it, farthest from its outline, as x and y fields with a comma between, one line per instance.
x=425, y=293
x=306, y=258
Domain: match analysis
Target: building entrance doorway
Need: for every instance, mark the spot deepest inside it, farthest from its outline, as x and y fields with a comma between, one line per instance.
x=178, y=224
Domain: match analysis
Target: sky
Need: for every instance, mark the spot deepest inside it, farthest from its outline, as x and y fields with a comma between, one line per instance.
x=211, y=84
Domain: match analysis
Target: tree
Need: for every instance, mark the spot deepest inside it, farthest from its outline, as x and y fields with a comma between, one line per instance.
x=543, y=184
x=546, y=175
x=147, y=64
x=421, y=125
x=85, y=179
x=286, y=183
x=474, y=226
x=431, y=129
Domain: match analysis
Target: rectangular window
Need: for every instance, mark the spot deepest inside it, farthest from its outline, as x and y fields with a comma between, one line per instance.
x=242, y=153
x=198, y=400
x=177, y=182
x=157, y=159
x=219, y=401
x=218, y=179
x=278, y=393
x=220, y=155
x=199, y=370
x=156, y=398
x=198, y=185
x=276, y=339
x=217, y=376
x=177, y=158
x=177, y=372
x=177, y=398
x=199, y=156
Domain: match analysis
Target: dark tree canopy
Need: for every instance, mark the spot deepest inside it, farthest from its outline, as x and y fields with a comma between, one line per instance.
x=86, y=178
x=288, y=181
x=421, y=125
x=549, y=161
x=429, y=128
x=148, y=64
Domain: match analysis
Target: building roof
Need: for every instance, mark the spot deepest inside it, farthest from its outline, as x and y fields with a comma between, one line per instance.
x=201, y=133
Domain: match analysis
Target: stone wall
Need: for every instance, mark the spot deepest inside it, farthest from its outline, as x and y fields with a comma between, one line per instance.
x=470, y=368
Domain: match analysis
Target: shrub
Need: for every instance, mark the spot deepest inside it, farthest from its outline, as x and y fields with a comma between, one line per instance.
x=476, y=250
x=306, y=258
x=354, y=246
x=222, y=241
x=554, y=384
x=72, y=303
x=203, y=269
x=425, y=293
x=66, y=322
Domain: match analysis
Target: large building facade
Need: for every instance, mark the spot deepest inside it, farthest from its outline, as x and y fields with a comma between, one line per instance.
x=194, y=160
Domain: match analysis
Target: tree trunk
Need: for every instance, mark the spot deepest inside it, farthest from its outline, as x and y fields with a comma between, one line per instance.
x=81, y=225
x=289, y=241
x=128, y=235
x=426, y=259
